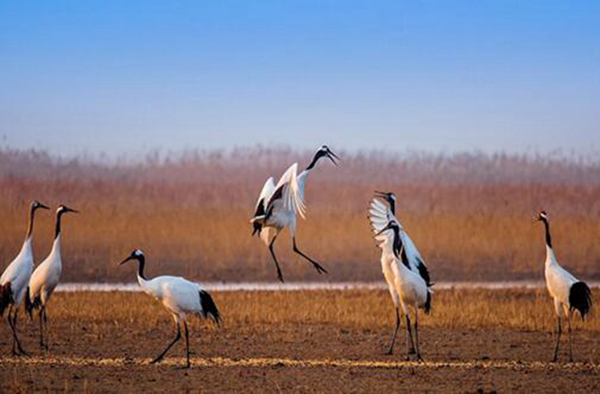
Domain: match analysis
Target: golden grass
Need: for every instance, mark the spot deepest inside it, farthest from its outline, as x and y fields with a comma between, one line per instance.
x=457, y=308
x=470, y=215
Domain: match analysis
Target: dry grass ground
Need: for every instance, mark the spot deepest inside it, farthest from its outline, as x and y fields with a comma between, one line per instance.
x=307, y=341
x=471, y=215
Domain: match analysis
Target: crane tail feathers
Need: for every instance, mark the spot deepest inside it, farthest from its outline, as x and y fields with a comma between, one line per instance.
x=580, y=298
x=209, y=308
x=6, y=297
x=427, y=306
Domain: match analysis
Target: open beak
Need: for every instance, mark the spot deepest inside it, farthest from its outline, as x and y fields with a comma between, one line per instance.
x=72, y=210
x=332, y=156
x=126, y=260
x=43, y=206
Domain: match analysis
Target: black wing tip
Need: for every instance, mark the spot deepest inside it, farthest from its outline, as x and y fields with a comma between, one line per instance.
x=580, y=298
x=209, y=308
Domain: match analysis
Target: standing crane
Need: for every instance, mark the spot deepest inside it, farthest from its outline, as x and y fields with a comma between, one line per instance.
x=412, y=290
x=278, y=205
x=568, y=292
x=45, y=278
x=179, y=296
x=14, y=280
x=380, y=215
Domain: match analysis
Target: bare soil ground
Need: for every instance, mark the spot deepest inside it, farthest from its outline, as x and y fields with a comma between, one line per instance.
x=306, y=341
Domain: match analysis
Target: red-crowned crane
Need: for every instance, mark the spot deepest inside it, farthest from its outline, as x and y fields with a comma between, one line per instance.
x=15, y=279
x=279, y=204
x=380, y=215
x=568, y=292
x=179, y=296
x=45, y=278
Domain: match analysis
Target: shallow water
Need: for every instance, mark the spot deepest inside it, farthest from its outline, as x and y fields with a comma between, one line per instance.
x=299, y=286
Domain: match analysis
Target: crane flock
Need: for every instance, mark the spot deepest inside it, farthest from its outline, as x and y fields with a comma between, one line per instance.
x=404, y=270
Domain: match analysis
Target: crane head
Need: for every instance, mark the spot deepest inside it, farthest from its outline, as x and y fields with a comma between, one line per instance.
x=64, y=209
x=542, y=216
x=135, y=255
x=37, y=205
x=387, y=196
x=324, y=151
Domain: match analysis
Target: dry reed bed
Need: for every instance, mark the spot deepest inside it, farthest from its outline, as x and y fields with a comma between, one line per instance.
x=521, y=309
x=470, y=214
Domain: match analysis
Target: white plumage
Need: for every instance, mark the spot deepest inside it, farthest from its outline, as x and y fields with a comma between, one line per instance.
x=14, y=280
x=409, y=287
x=179, y=296
x=46, y=276
x=568, y=292
x=278, y=206
x=403, y=267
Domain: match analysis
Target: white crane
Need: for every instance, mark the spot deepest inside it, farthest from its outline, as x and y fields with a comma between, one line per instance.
x=568, y=292
x=410, y=287
x=45, y=278
x=180, y=297
x=279, y=204
x=380, y=216
x=14, y=280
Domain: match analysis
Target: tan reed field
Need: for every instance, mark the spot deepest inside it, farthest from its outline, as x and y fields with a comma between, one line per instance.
x=471, y=215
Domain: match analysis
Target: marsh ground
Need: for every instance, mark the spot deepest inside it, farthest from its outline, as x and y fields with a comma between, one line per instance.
x=307, y=341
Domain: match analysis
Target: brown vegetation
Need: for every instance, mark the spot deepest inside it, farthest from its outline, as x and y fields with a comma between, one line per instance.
x=309, y=341
x=471, y=215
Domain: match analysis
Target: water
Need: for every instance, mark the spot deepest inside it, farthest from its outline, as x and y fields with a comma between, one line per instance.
x=300, y=286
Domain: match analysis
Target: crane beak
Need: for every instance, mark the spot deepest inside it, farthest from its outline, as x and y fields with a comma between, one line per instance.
x=126, y=260
x=71, y=210
x=40, y=205
x=332, y=156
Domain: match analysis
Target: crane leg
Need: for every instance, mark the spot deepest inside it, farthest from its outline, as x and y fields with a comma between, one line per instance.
x=187, y=343
x=279, y=274
x=395, y=332
x=43, y=326
x=16, y=337
x=177, y=338
x=569, y=330
x=314, y=263
x=558, y=332
x=409, y=341
x=417, y=334
x=12, y=329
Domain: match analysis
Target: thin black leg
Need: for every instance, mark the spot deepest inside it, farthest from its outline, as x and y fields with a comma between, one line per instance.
x=279, y=274
x=314, y=263
x=569, y=328
x=417, y=334
x=187, y=343
x=19, y=347
x=558, y=332
x=41, y=317
x=395, y=332
x=177, y=338
x=411, y=345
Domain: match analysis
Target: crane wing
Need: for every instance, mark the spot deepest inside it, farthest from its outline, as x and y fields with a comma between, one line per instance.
x=288, y=190
x=380, y=215
x=264, y=197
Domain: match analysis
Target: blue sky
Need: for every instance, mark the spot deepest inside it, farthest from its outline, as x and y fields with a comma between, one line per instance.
x=125, y=77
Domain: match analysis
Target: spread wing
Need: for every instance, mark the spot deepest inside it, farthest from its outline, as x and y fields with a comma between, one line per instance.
x=264, y=197
x=380, y=215
x=288, y=190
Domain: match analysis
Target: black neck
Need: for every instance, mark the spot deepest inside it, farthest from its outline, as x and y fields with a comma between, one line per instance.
x=392, y=206
x=548, y=238
x=314, y=161
x=58, y=217
x=399, y=246
x=141, y=263
x=30, y=224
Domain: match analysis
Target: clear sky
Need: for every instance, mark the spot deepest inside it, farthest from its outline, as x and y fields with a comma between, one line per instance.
x=128, y=76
